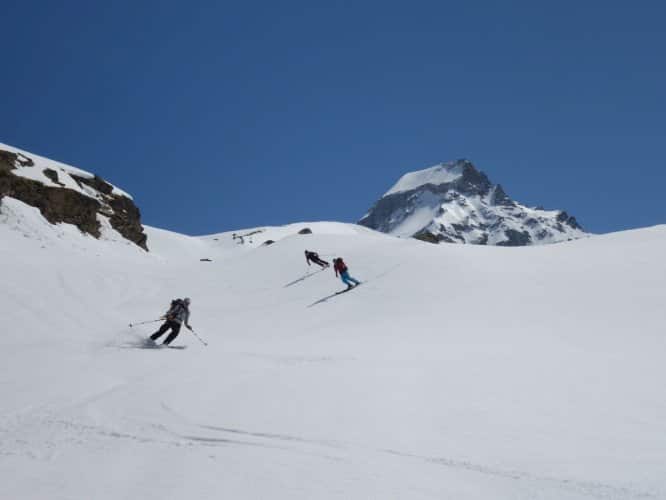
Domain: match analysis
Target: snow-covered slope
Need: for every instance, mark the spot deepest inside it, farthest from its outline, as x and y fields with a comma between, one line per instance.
x=454, y=202
x=453, y=371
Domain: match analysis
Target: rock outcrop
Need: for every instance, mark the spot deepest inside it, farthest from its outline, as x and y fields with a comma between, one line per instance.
x=67, y=195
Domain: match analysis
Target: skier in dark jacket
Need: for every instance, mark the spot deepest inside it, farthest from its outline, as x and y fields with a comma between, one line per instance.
x=314, y=257
x=178, y=313
x=341, y=268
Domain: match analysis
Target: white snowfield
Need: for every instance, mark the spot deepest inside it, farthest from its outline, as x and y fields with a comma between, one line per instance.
x=453, y=372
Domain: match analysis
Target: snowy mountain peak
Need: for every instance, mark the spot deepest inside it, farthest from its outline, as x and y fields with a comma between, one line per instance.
x=455, y=202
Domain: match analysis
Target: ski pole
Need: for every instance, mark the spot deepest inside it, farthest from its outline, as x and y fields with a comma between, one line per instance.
x=145, y=322
x=200, y=339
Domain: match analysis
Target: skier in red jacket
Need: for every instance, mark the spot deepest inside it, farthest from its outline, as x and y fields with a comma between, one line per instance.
x=341, y=268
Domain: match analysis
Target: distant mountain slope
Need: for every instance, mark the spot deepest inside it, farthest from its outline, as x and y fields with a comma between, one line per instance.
x=454, y=202
x=67, y=194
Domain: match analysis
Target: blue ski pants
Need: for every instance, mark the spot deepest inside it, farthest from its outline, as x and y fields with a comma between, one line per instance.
x=348, y=280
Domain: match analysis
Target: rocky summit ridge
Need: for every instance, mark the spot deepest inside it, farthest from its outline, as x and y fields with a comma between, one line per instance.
x=455, y=202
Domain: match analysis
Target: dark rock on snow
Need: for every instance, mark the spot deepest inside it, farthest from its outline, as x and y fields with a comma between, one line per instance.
x=60, y=204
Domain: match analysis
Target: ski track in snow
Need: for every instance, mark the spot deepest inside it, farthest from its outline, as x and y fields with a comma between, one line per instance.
x=303, y=278
x=71, y=432
x=341, y=292
x=588, y=488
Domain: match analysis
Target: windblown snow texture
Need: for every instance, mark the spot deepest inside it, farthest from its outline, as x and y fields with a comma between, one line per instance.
x=454, y=202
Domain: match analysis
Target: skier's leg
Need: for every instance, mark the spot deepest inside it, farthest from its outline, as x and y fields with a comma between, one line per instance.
x=165, y=326
x=175, y=329
x=356, y=282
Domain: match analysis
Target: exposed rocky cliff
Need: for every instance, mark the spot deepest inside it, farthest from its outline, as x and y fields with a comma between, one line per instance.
x=65, y=194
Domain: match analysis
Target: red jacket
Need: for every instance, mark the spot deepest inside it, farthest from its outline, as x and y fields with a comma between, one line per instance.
x=340, y=267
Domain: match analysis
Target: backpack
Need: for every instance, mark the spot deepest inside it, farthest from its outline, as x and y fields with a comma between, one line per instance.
x=176, y=305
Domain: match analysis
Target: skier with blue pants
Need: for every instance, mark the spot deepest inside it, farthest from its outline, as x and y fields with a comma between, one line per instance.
x=341, y=268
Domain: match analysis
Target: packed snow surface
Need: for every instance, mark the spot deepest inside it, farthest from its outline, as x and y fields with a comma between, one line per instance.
x=453, y=371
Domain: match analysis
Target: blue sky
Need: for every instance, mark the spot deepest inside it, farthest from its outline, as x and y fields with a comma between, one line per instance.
x=220, y=116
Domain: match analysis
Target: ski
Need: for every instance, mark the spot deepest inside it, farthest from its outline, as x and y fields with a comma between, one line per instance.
x=151, y=344
x=348, y=289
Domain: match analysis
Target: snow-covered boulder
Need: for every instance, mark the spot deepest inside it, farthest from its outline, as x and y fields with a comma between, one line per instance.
x=65, y=194
x=454, y=202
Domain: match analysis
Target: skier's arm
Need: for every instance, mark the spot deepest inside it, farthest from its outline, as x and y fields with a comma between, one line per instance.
x=187, y=320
